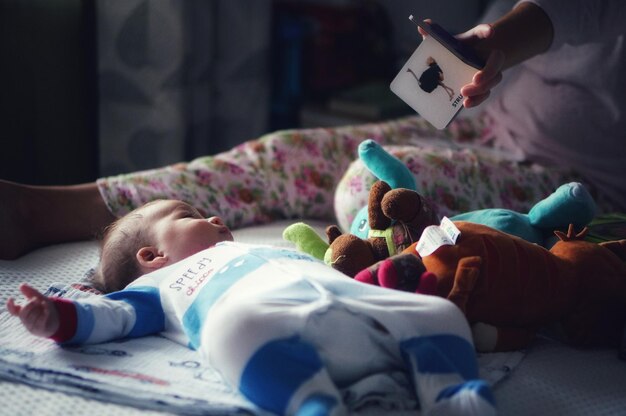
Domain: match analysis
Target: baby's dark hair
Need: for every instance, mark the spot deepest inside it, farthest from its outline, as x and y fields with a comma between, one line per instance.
x=119, y=244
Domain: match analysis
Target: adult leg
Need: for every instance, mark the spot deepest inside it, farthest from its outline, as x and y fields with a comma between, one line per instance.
x=456, y=175
x=34, y=216
x=284, y=174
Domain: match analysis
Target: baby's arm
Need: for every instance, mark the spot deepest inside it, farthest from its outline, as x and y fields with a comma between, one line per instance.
x=128, y=313
x=39, y=314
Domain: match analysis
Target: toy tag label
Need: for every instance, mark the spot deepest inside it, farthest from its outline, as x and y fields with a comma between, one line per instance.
x=435, y=236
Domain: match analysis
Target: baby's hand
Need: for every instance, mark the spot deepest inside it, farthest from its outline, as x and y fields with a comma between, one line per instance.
x=38, y=314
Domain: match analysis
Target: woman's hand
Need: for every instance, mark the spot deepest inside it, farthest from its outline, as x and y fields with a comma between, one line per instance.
x=38, y=314
x=487, y=78
x=491, y=74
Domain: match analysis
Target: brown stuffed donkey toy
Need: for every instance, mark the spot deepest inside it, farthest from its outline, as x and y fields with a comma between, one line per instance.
x=509, y=288
x=397, y=218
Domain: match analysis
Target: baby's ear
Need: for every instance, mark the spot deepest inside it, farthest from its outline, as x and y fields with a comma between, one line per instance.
x=151, y=258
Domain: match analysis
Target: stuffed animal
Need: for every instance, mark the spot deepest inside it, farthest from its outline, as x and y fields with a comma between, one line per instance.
x=384, y=167
x=571, y=203
x=350, y=254
x=397, y=217
x=509, y=288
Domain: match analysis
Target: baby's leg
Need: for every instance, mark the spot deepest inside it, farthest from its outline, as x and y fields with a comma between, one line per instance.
x=34, y=216
x=256, y=348
x=287, y=376
x=446, y=376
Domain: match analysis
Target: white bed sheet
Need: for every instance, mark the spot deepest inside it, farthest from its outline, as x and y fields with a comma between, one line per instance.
x=552, y=379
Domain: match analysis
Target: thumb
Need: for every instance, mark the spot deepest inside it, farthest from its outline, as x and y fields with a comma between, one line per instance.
x=12, y=307
x=482, y=31
x=421, y=31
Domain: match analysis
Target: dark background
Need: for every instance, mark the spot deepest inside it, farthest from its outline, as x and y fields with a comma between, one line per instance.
x=49, y=85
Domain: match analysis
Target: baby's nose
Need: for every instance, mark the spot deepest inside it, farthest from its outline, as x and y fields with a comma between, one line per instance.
x=215, y=220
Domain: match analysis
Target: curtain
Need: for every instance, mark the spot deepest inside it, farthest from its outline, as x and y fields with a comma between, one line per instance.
x=179, y=79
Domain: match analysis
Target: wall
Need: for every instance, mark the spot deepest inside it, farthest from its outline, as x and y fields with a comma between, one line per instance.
x=49, y=102
x=47, y=92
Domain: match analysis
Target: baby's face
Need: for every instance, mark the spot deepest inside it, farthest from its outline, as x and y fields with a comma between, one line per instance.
x=180, y=230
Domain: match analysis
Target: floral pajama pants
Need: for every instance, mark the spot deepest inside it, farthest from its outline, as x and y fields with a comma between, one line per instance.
x=315, y=174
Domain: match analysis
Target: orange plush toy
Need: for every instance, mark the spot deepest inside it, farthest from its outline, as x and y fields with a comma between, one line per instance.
x=509, y=288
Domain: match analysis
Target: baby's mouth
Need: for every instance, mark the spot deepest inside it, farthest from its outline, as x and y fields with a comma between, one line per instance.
x=226, y=232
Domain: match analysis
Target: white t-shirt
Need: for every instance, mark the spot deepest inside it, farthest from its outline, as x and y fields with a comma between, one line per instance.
x=565, y=107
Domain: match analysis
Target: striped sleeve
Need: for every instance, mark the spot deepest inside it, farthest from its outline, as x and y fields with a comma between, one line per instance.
x=128, y=313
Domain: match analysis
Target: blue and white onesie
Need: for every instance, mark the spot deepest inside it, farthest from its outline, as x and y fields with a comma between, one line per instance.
x=289, y=331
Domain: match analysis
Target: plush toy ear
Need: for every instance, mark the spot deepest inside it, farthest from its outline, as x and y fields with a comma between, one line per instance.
x=409, y=207
x=385, y=166
x=376, y=217
x=332, y=232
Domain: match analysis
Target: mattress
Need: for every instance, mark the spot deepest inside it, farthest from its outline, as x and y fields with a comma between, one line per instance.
x=548, y=378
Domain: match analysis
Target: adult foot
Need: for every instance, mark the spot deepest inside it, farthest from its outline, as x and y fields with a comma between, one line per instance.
x=34, y=216
x=16, y=232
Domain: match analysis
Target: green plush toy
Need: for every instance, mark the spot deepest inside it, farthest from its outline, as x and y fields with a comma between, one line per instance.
x=571, y=203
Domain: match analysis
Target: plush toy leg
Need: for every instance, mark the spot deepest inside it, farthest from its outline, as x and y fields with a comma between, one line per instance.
x=617, y=247
x=404, y=272
x=465, y=278
x=570, y=203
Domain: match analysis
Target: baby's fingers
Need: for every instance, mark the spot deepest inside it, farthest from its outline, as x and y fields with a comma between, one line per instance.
x=13, y=308
x=30, y=292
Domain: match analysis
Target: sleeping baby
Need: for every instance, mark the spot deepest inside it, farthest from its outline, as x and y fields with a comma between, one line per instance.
x=288, y=331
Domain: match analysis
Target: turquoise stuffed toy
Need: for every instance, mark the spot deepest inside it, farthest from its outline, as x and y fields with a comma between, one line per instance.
x=570, y=203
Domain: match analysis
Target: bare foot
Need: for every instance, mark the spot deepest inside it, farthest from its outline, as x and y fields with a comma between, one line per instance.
x=34, y=216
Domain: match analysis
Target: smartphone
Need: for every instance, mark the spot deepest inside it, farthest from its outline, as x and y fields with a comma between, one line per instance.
x=459, y=49
x=430, y=81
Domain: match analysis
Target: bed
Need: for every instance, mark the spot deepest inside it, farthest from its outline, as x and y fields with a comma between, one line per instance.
x=156, y=376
